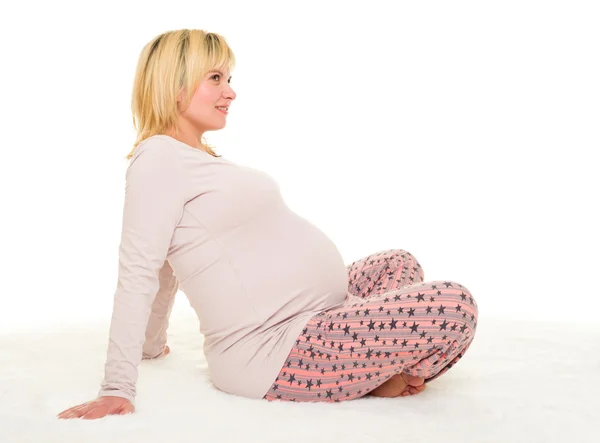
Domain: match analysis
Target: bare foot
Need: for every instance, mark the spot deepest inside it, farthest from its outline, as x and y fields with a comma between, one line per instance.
x=415, y=384
x=400, y=385
x=391, y=388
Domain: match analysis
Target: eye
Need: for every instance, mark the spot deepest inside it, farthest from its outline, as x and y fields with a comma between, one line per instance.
x=218, y=75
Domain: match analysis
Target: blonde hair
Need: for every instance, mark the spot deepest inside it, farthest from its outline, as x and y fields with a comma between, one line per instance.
x=170, y=62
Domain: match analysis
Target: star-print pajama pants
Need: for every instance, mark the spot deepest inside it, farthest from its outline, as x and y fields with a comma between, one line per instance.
x=392, y=322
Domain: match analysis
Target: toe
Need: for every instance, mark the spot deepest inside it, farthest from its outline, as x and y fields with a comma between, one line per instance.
x=413, y=380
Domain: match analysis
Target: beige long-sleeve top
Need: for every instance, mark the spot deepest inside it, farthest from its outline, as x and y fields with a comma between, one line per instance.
x=253, y=270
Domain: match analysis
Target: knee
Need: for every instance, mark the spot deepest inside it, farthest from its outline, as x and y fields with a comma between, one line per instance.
x=409, y=262
x=459, y=308
x=457, y=293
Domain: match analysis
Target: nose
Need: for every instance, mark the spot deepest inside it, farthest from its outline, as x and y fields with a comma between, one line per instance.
x=230, y=94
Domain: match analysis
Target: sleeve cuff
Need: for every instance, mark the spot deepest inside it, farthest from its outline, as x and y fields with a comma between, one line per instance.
x=105, y=393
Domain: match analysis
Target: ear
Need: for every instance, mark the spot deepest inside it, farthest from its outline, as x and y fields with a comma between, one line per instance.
x=180, y=100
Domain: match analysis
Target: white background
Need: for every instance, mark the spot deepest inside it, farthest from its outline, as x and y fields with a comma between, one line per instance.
x=463, y=132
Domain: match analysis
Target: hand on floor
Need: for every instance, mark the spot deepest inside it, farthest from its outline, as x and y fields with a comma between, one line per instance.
x=99, y=408
x=162, y=354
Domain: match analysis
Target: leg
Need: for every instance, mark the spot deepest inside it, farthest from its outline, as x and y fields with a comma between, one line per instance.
x=345, y=353
x=382, y=272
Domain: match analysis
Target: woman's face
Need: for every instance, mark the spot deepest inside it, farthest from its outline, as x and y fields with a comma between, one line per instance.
x=202, y=114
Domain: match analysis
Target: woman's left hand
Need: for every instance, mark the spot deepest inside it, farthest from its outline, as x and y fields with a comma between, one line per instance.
x=162, y=354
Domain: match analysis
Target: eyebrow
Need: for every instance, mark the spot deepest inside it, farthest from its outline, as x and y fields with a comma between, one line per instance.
x=222, y=75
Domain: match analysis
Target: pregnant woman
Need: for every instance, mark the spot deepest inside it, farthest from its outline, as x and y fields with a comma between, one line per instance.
x=283, y=317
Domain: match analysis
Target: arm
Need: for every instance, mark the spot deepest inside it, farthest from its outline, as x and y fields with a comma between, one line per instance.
x=156, y=332
x=154, y=200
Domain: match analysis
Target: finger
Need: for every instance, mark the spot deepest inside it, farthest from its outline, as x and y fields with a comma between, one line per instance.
x=70, y=415
x=84, y=409
x=97, y=412
x=75, y=408
x=66, y=413
x=79, y=411
x=93, y=414
x=69, y=410
x=126, y=409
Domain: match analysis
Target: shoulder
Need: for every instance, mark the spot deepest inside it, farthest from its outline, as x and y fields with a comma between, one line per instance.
x=155, y=150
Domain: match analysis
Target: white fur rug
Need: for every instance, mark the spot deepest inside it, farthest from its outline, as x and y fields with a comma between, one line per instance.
x=519, y=382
